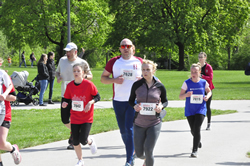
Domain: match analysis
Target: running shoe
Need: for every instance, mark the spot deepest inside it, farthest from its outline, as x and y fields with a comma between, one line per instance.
x=208, y=126
x=70, y=147
x=80, y=163
x=127, y=164
x=133, y=160
x=16, y=155
x=93, y=147
x=194, y=154
x=70, y=141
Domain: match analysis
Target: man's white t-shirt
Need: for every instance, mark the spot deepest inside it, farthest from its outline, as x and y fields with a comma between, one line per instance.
x=4, y=79
x=65, y=68
x=130, y=69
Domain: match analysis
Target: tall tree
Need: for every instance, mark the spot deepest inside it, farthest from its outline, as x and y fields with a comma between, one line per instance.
x=191, y=25
x=44, y=22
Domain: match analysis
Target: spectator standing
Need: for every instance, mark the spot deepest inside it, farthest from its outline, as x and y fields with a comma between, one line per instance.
x=43, y=77
x=64, y=74
x=52, y=71
x=125, y=70
x=9, y=61
x=23, y=59
x=32, y=58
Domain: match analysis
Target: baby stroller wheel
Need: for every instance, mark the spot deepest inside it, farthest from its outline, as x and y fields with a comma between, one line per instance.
x=16, y=103
x=35, y=101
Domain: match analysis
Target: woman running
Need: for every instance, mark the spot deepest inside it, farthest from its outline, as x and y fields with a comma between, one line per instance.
x=207, y=74
x=81, y=94
x=151, y=99
x=193, y=90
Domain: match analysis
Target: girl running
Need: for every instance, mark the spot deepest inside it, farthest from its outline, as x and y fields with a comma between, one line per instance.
x=81, y=94
x=193, y=90
x=151, y=99
x=207, y=74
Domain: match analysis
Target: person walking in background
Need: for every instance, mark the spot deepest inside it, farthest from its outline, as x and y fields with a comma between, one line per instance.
x=23, y=59
x=52, y=70
x=32, y=58
x=64, y=74
x=43, y=77
x=207, y=74
x=148, y=97
x=193, y=90
x=9, y=61
x=125, y=70
x=82, y=94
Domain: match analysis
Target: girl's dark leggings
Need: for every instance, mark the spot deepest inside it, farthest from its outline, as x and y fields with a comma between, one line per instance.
x=195, y=122
x=208, y=103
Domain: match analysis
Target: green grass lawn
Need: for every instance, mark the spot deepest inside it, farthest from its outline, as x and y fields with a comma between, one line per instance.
x=229, y=85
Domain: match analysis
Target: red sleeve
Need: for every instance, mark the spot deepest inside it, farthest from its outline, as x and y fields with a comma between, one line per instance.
x=209, y=73
x=140, y=59
x=109, y=65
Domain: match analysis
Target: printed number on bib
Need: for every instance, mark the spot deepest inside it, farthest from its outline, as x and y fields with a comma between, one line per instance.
x=77, y=105
x=148, y=109
x=128, y=74
x=196, y=99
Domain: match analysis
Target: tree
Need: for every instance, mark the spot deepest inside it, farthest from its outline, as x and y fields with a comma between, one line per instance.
x=190, y=25
x=44, y=22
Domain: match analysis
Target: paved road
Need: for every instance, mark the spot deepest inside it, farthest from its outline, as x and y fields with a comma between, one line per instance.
x=225, y=145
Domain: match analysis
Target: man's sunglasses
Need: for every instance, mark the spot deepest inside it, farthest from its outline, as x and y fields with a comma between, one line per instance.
x=128, y=46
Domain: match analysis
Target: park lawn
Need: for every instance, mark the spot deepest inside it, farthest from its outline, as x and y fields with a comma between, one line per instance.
x=35, y=127
x=229, y=85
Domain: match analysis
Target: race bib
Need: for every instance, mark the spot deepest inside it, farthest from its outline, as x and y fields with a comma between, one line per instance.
x=128, y=74
x=148, y=109
x=77, y=105
x=196, y=99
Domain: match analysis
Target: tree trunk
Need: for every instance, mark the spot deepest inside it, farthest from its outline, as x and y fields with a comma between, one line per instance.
x=228, y=63
x=181, y=55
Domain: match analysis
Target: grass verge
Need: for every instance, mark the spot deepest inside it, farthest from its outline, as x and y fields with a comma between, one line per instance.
x=35, y=127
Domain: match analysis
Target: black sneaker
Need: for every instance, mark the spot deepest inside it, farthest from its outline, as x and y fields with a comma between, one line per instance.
x=50, y=102
x=70, y=141
x=42, y=105
x=70, y=147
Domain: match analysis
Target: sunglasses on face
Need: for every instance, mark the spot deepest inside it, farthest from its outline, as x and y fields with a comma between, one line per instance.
x=128, y=46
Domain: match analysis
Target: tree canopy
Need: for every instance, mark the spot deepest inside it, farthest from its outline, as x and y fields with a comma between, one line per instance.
x=44, y=22
x=191, y=25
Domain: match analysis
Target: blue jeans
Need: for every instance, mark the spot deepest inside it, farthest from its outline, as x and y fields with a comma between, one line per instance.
x=43, y=85
x=31, y=63
x=23, y=61
x=125, y=118
x=51, y=84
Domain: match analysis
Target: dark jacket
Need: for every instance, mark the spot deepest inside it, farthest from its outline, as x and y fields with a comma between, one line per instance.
x=43, y=73
x=51, y=68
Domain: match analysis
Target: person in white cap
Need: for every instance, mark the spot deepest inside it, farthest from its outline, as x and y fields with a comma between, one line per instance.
x=64, y=74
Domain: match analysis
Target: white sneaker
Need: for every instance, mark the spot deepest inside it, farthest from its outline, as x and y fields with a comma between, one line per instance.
x=16, y=155
x=93, y=147
x=80, y=163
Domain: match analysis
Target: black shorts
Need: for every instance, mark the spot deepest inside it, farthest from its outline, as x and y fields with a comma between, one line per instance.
x=80, y=133
x=6, y=124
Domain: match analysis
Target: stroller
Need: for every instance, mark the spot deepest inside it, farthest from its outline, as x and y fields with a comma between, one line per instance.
x=25, y=89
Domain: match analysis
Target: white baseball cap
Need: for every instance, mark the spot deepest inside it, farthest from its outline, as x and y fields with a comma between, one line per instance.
x=70, y=46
